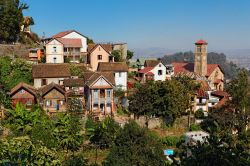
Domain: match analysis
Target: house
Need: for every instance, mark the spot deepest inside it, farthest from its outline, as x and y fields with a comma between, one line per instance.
x=153, y=70
x=57, y=50
x=53, y=98
x=212, y=72
x=68, y=44
x=23, y=93
x=35, y=54
x=120, y=71
x=98, y=53
x=201, y=100
x=222, y=98
x=137, y=64
x=99, y=92
x=44, y=74
x=74, y=86
x=193, y=137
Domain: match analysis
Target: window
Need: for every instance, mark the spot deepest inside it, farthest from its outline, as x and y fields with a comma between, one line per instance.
x=108, y=93
x=200, y=100
x=54, y=60
x=44, y=82
x=159, y=72
x=120, y=74
x=77, y=49
x=54, y=49
x=199, y=49
x=65, y=49
x=102, y=93
x=95, y=93
x=22, y=91
x=99, y=57
x=48, y=103
x=159, y=65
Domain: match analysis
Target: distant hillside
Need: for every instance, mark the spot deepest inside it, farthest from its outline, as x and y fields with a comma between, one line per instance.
x=213, y=58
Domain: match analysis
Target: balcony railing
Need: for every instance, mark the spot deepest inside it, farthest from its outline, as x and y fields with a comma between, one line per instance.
x=102, y=100
x=72, y=53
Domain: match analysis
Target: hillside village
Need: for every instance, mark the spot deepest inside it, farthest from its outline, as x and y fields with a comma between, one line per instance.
x=53, y=83
x=67, y=100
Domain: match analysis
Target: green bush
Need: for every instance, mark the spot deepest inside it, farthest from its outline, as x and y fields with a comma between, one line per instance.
x=171, y=140
x=195, y=127
x=199, y=114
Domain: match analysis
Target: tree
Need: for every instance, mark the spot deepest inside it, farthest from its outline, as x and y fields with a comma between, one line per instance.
x=135, y=146
x=17, y=68
x=76, y=70
x=11, y=14
x=239, y=90
x=214, y=152
x=130, y=54
x=21, y=121
x=90, y=41
x=21, y=151
x=67, y=132
x=168, y=99
x=117, y=55
x=104, y=133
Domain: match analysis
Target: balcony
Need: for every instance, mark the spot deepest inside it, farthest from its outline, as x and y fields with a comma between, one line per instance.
x=102, y=100
x=72, y=54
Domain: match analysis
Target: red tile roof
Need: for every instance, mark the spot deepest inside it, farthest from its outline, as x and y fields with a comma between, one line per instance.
x=67, y=42
x=145, y=70
x=62, y=34
x=149, y=74
x=220, y=94
x=201, y=42
x=217, y=81
x=202, y=93
x=204, y=85
x=189, y=67
x=183, y=67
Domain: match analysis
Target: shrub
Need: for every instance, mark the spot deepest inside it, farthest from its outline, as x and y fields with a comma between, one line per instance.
x=199, y=114
x=195, y=127
x=171, y=140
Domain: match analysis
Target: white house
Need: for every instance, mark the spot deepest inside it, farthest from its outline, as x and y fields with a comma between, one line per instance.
x=193, y=137
x=70, y=44
x=73, y=34
x=153, y=70
x=44, y=74
x=120, y=71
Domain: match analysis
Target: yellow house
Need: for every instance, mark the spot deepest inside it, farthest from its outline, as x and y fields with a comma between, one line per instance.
x=98, y=53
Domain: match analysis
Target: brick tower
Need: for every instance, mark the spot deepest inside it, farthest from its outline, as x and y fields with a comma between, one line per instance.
x=200, y=59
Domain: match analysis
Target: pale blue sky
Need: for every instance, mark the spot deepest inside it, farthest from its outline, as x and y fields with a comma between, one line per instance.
x=172, y=24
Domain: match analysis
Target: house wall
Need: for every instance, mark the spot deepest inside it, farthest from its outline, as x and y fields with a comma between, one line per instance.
x=23, y=97
x=216, y=74
x=121, y=80
x=54, y=94
x=51, y=54
x=101, y=82
x=75, y=35
x=94, y=57
x=157, y=77
x=38, y=81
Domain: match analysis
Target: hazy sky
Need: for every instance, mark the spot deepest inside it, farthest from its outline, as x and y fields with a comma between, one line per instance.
x=172, y=24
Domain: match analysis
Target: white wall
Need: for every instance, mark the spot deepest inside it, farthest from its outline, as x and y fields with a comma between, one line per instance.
x=75, y=35
x=157, y=77
x=121, y=80
x=51, y=54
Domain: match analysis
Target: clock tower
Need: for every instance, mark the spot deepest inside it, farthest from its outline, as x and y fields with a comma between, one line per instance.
x=200, y=59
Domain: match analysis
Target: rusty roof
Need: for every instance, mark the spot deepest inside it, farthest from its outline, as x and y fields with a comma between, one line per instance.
x=48, y=70
x=113, y=66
